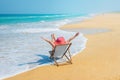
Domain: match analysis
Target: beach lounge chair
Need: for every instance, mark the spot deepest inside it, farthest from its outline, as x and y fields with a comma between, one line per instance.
x=61, y=51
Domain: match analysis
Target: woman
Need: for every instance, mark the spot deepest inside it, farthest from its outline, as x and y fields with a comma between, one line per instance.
x=59, y=40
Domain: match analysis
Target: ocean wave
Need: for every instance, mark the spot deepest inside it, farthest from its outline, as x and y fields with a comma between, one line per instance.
x=3, y=27
x=36, y=18
x=41, y=26
x=34, y=30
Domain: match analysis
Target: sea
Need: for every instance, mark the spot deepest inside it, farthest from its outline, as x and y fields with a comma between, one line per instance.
x=21, y=46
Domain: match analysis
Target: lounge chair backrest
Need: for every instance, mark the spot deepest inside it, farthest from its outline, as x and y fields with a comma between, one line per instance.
x=60, y=50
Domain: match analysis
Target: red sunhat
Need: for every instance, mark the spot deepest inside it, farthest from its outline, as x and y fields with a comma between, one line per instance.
x=60, y=40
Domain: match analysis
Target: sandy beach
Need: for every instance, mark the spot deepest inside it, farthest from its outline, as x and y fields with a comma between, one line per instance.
x=100, y=60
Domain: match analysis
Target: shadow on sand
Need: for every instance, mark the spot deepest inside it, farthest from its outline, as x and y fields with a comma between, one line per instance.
x=44, y=59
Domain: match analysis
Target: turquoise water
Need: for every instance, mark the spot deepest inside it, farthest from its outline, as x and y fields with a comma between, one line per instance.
x=23, y=18
x=21, y=47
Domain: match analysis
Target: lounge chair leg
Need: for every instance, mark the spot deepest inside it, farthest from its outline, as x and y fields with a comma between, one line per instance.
x=70, y=55
x=56, y=62
x=68, y=59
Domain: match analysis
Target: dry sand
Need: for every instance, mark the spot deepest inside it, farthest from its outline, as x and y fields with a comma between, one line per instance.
x=99, y=61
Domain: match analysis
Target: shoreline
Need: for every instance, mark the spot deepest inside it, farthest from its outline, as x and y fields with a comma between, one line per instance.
x=45, y=64
x=99, y=60
x=27, y=31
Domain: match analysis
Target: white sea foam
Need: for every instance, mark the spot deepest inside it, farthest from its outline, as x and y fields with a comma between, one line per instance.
x=35, y=30
x=2, y=28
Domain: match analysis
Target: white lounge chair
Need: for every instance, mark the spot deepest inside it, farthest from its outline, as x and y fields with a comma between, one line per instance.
x=60, y=51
